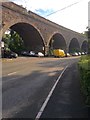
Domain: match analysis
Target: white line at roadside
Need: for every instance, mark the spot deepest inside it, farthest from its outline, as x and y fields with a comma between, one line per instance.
x=49, y=95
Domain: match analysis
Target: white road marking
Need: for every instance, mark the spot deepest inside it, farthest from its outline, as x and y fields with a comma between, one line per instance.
x=49, y=95
x=12, y=79
x=12, y=73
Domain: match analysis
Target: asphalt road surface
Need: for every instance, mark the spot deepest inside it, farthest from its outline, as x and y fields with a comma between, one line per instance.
x=26, y=83
x=66, y=100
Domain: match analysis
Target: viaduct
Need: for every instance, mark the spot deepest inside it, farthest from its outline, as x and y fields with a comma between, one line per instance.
x=38, y=33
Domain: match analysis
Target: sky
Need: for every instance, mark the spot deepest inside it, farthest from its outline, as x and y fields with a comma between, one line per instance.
x=89, y=15
x=72, y=14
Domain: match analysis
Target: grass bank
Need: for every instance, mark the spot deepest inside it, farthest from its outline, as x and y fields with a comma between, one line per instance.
x=84, y=67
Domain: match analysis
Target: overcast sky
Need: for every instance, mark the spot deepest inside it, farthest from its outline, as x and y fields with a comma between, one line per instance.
x=72, y=14
x=89, y=15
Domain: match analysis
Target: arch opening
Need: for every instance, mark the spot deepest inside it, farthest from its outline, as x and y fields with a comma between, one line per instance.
x=31, y=37
x=57, y=41
x=84, y=47
x=74, y=46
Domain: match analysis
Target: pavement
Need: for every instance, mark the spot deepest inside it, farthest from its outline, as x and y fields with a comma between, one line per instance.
x=66, y=100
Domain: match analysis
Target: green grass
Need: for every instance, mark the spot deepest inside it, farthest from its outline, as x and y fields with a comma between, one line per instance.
x=84, y=67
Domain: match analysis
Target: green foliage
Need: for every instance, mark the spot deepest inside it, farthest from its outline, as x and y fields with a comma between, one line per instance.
x=75, y=50
x=50, y=52
x=6, y=39
x=14, y=42
x=84, y=67
x=88, y=36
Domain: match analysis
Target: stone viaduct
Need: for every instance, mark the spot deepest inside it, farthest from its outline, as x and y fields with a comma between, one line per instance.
x=38, y=33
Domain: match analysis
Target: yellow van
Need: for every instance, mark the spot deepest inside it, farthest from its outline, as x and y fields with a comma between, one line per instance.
x=59, y=53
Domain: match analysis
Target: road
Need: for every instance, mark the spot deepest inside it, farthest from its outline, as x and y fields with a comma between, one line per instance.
x=27, y=81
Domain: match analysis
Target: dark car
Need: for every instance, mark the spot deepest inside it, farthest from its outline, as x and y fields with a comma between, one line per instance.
x=28, y=53
x=35, y=54
x=32, y=54
x=24, y=53
x=74, y=54
x=10, y=54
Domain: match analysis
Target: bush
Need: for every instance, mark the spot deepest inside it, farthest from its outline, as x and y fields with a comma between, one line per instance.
x=84, y=67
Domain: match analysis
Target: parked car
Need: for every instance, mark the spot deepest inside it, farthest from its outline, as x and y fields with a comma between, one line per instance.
x=79, y=53
x=59, y=53
x=82, y=53
x=68, y=55
x=35, y=54
x=10, y=54
x=24, y=53
x=74, y=54
x=86, y=53
x=40, y=54
x=31, y=53
x=28, y=53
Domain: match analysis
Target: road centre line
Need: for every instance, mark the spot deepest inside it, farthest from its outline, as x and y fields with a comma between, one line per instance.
x=49, y=95
x=12, y=73
x=12, y=79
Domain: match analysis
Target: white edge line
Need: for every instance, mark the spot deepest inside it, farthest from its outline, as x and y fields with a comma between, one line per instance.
x=49, y=95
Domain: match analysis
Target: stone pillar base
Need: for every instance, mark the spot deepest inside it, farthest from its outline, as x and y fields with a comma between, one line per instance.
x=46, y=50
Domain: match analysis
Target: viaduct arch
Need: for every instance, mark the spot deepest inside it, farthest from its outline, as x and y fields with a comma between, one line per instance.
x=74, y=45
x=37, y=32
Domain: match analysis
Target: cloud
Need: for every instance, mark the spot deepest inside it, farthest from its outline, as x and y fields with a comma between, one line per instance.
x=44, y=13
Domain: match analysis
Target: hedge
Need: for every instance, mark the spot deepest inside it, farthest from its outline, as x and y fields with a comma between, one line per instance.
x=84, y=67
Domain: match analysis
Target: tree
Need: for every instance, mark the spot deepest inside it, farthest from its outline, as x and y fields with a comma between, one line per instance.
x=13, y=41
x=6, y=39
x=87, y=33
x=88, y=40
x=16, y=43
